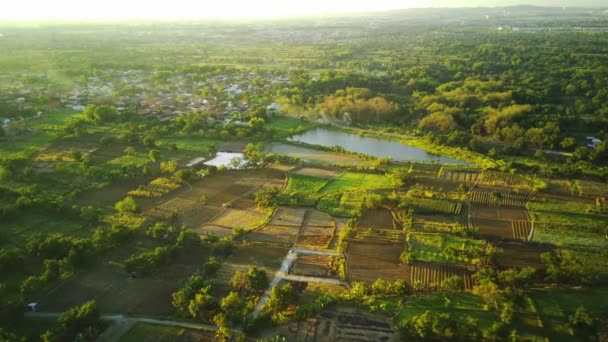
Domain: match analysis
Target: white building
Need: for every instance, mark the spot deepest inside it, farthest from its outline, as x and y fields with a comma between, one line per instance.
x=593, y=142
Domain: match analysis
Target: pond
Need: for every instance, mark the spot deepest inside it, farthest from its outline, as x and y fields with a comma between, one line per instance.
x=310, y=155
x=371, y=146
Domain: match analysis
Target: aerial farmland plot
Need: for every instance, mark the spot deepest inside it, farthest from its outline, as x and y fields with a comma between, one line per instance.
x=351, y=181
x=283, y=235
x=377, y=219
x=317, y=172
x=117, y=291
x=199, y=214
x=493, y=229
x=318, y=230
x=264, y=256
x=369, y=260
x=314, y=266
x=445, y=248
x=292, y=217
x=431, y=275
x=521, y=255
x=233, y=218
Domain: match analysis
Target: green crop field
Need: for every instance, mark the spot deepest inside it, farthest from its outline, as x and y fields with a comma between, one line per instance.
x=189, y=144
x=352, y=181
x=568, y=223
x=444, y=248
x=303, y=183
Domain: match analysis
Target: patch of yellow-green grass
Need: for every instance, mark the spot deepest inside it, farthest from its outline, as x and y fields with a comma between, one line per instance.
x=352, y=181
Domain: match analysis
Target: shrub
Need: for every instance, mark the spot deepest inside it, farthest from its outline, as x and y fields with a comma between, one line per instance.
x=127, y=205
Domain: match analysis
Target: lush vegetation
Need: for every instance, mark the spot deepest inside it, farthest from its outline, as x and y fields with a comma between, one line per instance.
x=104, y=194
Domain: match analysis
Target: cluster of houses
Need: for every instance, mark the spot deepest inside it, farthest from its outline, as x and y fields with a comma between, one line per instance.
x=136, y=91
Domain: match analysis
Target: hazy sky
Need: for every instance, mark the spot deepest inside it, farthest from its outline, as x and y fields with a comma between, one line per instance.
x=173, y=9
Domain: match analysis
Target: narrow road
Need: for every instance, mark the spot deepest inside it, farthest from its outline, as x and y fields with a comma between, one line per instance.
x=283, y=273
x=289, y=258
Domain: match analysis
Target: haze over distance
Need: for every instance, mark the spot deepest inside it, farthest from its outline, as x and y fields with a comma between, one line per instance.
x=234, y=9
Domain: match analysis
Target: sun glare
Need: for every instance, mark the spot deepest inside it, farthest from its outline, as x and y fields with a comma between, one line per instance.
x=175, y=9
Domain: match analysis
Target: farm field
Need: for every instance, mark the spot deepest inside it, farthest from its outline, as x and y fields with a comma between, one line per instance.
x=460, y=177
x=300, y=183
x=236, y=218
x=517, y=255
x=317, y=172
x=264, y=256
x=444, y=248
x=556, y=304
x=434, y=206
x=486, y=197
x=274, y=234
x=351, y=181
x=502, y=222
x=313, y=266
x=568, y=223
x=369, y=260
x=318, y=230
x=313, y=290
x=494, y=229
x=292, y=217
x=506, y=180
x=430, y=275
x=116, y=291
x=377, y=219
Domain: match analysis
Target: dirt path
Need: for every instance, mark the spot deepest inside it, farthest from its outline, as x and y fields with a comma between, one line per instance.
x=285, y=265
x=307, y=279
x=283, y=273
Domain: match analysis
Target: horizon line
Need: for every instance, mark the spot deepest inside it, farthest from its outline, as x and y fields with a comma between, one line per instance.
x=310, y=15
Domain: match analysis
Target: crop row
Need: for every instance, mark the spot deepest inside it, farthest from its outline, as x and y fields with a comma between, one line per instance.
x=435, y=206
x=460, y=177
x=431, y=275
x=378, y=235
x=505, y=180
x=504, y=199
x=521, y=229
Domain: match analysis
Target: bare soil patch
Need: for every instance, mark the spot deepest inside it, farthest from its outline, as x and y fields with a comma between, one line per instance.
x=377, y=219
x=313, y=266
x=198, y=215
x=283, y=235
x=239, y=218
x=494, y=228
x=368, y=261
x=517, y=255
x=288, y=217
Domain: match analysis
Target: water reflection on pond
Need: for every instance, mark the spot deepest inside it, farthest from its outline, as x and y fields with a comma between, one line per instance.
x=371, y=146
